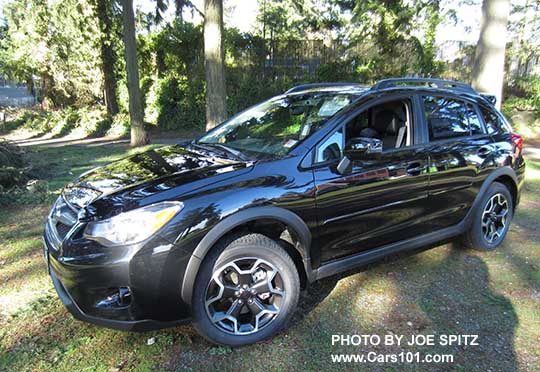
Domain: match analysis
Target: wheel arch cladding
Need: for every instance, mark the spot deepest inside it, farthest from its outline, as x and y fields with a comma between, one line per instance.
x=301, y=240
x=512, y=187
x=505, y=175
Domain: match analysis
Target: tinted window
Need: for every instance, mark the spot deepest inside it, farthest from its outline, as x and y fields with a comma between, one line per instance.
x=446, y=117
x=474, y=120
x=493, y=122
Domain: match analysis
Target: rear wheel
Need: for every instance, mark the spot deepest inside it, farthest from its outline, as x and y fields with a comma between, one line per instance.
x=246, y=291
x=491, y=220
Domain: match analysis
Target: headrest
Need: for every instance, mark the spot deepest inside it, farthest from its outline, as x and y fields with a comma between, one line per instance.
x=385, y=121
x=393, y=128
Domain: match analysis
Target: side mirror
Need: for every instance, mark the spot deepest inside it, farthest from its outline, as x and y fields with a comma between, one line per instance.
x=360, y=148
x=363, y=148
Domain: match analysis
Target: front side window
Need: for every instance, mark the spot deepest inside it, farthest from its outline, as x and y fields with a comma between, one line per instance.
x=274, y=127
x=446, y=117
x=389, y=122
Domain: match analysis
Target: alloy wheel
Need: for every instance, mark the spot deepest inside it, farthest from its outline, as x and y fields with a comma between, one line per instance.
x=494, y=218
x=244, y=295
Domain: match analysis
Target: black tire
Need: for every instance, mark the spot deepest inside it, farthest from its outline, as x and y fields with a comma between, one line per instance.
x=475, y=237
x=241, y=249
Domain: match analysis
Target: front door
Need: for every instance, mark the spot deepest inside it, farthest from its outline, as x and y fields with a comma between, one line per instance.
x=381, y=200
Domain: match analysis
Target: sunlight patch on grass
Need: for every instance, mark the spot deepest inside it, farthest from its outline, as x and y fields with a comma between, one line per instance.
x=532, y=174
x=21, y=296
x=21, y=248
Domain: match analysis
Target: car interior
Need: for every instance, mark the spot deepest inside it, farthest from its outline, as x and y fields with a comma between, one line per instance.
x=388, y=122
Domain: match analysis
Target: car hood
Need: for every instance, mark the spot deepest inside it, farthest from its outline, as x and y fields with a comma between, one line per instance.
x=147, y=174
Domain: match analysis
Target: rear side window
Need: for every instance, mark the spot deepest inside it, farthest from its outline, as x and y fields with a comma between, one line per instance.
x=446, y=117
x=494, y=123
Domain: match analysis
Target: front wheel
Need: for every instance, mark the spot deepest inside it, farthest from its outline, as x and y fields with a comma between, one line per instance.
x=246, y=291
x=492, y=220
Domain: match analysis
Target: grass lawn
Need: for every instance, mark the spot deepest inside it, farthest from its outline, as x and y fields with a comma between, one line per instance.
x=444, y=290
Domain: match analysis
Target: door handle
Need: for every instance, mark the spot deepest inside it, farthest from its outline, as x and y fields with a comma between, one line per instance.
x=484, y=151
x=415, y=169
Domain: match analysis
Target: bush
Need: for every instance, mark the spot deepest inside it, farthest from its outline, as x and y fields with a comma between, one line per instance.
x=13, y=165
x=84, y=121
x=525, y=95
x=120, y=126
x=33, y=192
x=93, y=121
x=176, y=104
x=33, y=119
x=16, y=187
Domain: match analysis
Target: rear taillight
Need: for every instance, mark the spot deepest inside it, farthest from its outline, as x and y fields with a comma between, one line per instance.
x=518, y=141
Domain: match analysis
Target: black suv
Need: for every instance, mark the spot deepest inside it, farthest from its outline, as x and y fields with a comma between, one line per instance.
x=227, y=229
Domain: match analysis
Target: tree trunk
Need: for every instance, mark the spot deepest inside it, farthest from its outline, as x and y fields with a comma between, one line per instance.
x=108, y=56
x=488, y=69
x=138, y=134
x=214, y=55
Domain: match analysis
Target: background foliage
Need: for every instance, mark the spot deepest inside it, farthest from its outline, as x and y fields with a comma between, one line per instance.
x=52, y=47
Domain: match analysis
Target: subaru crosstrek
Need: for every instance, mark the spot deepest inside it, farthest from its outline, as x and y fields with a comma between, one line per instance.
x=227, y=229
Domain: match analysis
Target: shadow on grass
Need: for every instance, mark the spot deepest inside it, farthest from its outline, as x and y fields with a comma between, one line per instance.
x=27, y=271
x=452, y=296
x=466, y=305
x=44, y=336
x=36, y=333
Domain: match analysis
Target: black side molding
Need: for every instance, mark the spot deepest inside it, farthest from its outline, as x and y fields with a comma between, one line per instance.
x=364, y=258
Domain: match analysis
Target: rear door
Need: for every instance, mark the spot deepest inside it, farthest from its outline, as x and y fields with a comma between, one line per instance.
x=380, y=201
x=460, y=152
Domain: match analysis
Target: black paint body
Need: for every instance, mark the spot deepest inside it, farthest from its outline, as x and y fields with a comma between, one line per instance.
x=336, y=220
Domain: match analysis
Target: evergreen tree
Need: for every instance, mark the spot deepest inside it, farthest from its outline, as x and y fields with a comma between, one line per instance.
x=103, y=11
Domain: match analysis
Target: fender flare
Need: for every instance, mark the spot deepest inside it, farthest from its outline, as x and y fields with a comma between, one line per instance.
x=499, y=172
x=236, y=219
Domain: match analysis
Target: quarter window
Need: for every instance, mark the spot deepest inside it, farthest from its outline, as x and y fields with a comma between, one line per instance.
x=446, y=117
x=493, y=122
x=331, y=148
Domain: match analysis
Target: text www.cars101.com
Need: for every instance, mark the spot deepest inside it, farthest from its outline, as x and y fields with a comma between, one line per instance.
x=403, y=357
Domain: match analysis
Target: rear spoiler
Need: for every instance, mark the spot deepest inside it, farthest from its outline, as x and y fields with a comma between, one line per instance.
x=490, y=98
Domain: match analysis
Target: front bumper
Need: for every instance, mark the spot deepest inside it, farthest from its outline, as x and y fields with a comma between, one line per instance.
x=84, y=283
x=123, y=325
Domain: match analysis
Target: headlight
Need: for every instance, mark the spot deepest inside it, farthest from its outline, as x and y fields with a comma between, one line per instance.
x=133, y=226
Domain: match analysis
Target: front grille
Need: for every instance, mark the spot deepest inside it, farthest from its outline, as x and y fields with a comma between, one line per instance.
x=61, y=220
x=62, y=229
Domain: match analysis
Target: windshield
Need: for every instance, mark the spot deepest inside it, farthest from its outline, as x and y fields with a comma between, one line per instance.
x=275, y=127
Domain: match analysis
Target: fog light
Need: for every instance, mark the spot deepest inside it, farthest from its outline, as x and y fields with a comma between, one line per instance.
x=120, y=298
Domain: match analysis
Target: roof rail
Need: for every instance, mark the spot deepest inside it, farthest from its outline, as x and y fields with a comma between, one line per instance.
x=303, y=87
x=439, y=83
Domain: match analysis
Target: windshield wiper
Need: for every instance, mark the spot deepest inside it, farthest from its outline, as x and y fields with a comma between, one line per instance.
x=224, y=149
x=236, y=153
